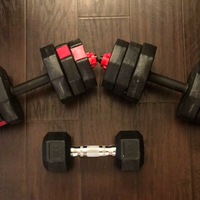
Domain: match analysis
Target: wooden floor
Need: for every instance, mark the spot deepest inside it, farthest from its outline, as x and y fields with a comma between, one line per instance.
x=172, y=147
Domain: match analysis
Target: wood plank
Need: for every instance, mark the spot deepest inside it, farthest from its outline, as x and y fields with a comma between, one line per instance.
x=13, y=163
x=55, y=23
x=167, y=170
x=96, y=111
x=96, y=39
x=13, y=139
x=171, y=169
x=195, y=153
x=191, y=10
x=46, y=185
x=88, y=8
x=160, y=23
x=191, y=33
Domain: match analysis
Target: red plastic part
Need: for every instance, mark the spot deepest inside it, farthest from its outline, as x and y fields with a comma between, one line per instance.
x=2, y=123
x=92, y=59
x=105, y=60
x=78, y=53
x=63, y=52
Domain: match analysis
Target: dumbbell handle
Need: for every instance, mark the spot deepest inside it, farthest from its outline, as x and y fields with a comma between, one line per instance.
x=44, y=79
x=153, y=77
x=167, y=82
x=93, y=151
x=31, y=85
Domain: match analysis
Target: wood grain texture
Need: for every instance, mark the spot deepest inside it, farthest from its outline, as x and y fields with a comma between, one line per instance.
x=106, y=8
x=13, y=139
x=167, y=170
x=48, y=22
x=171, y=168
x=99, y=35
x=191, y=10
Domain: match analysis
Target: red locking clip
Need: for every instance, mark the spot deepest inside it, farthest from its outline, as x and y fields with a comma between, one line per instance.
x=92, y=59
x=105, y=60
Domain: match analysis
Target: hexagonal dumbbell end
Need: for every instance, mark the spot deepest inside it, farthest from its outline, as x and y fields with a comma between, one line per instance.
x=10, y=109
x=56, y=152
x=189, y=107
x=129, y=150
x=55, y=73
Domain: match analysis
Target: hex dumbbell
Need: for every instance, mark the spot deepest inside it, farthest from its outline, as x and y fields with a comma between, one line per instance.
x=128, y=68
x=58, y=152
x=63, y=73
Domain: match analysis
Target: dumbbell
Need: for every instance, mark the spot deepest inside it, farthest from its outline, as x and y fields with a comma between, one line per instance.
x=128, y=68
x=68, y=70
x=58, y=152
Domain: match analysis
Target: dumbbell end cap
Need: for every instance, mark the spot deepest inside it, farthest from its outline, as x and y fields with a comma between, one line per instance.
x=47, y=51
x=10, y=109
x=56, y=152
x=130, y=150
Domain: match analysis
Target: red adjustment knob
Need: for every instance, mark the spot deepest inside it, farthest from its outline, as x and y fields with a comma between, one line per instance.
x=105, y=60
x=92, y=59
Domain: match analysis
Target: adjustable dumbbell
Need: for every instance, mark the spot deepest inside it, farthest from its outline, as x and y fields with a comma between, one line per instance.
x=68, y=70
x=58, y=153
x=128, y=68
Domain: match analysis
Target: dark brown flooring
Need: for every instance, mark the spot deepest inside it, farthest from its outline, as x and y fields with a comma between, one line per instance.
x=172, y=147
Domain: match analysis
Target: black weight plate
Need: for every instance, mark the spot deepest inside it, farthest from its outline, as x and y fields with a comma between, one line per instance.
x=55, y=72
x=127, y=68
x=2, y=121
x=130, y=150
x=82, y=63
x=69, y=67
x=10, y=109
x=141, y=73
x=56, y=152
x=190, y=102
x=114, y=64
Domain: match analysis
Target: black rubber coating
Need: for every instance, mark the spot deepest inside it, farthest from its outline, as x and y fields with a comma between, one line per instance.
x=167, y=82
x=127, y=68
x=84, y=67
x=73, y=76
x=1, y=119
x=56, y=152
x=190, y=103
x=31, y=85
x=10, y=109
x=129, y=150
x=56, y=75
x=116, y=59
x=197, y=118
x=140, y=76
